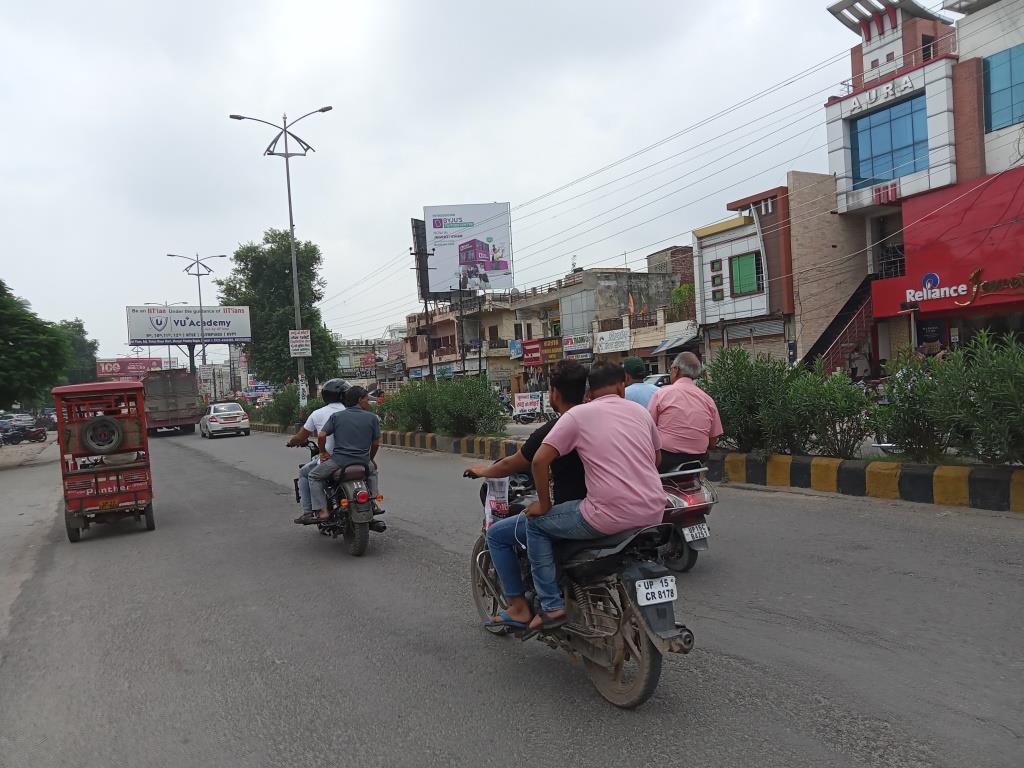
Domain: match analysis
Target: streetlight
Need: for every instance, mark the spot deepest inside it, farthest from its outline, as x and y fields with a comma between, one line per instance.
x=166, y=305
x=283, y=131
x=201, y=270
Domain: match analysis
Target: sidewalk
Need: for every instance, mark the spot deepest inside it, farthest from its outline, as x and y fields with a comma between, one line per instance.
x=30, y=490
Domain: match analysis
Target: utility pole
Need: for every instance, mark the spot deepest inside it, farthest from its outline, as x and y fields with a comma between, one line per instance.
x=198, y=267
x=430, y=337
x=462, y=330
x=480, y=349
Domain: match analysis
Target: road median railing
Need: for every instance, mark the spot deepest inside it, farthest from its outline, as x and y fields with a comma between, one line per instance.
x=999, y=489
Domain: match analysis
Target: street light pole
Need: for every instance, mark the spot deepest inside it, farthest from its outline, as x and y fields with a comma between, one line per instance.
x=197, y=266
x=283, y=131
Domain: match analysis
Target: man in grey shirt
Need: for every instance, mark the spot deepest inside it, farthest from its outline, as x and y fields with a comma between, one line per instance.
x=356, y=432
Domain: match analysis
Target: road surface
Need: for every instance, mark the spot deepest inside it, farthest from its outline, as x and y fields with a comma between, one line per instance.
x=830, y=632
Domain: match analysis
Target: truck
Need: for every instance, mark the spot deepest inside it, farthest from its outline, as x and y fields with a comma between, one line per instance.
x=173, y=400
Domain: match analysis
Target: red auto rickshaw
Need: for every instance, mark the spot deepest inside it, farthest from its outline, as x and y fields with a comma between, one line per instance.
x=101, y=430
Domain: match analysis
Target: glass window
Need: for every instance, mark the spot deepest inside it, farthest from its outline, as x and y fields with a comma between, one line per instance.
x=227, y=408
x=1004, y=88
x=745, y=274
x=890, y=143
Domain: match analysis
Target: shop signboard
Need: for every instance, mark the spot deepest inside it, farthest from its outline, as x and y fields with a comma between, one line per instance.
x=299, y=344
x=583, y=356
x=551, y=350
x=113, y=368
x=607, y=342
x=531, y=353
x=577, y=342
x=515, y=349
x=528, y=402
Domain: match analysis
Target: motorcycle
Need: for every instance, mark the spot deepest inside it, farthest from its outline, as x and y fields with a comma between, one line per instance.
x=10, y=436
x=618, y=598
x=690, y=499
x=352, y=509
x=33, y=434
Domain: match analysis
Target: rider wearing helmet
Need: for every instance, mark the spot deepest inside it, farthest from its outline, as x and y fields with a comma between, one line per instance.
x=331, y=393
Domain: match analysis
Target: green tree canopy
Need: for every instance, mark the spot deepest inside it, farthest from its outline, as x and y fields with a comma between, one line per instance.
x=261, y=278
x=82, y=363
x=34, y=354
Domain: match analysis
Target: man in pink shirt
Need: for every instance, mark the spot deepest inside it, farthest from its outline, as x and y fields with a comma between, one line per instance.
x=686, y=415
x=619, y=446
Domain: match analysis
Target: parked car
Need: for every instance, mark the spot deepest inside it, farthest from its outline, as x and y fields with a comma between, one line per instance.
x=224, y=418
x=23, y=420
x=658, y=379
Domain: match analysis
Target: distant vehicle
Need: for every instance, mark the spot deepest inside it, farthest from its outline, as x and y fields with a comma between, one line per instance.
x=172, y=400
x=222, y=419
x=658, y=379
x=21, y=419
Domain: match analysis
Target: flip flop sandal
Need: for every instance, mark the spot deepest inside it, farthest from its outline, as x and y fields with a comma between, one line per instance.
x=549, y=625
x=504, y=620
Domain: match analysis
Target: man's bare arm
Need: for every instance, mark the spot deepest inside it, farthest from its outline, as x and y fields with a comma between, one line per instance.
x=542, y=476
x=507, y=466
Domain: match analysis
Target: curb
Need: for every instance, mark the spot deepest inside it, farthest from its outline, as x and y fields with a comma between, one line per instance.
x=1000, y=489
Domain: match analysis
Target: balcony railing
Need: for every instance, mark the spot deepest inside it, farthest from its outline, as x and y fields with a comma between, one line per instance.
x=645, y=320
x=945, y=44
x=675, y=314
x=610, y=324
x=497, y=344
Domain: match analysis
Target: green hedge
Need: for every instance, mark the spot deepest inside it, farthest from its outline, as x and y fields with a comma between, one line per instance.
x=455, y=407
x=970, y=402
x=283, y=409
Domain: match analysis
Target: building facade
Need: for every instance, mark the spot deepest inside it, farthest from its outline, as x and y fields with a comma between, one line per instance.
x=926, y=143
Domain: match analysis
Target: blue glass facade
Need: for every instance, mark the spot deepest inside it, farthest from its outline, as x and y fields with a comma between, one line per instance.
x=890, y=143
x=1004, y=88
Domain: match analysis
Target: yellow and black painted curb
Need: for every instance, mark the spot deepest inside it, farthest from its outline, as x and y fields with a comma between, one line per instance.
x=982, y=487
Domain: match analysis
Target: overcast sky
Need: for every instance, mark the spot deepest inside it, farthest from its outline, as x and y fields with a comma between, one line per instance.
x=118, y=148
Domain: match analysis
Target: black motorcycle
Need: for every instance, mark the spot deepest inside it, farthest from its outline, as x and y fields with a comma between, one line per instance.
x=352, y=508
x=689, y=501
x=618, y=599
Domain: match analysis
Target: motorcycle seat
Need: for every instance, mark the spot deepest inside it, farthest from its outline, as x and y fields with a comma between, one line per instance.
x=568, y=548
x=351, y=472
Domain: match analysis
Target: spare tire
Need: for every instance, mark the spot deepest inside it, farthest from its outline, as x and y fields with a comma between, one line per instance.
x=101, y=435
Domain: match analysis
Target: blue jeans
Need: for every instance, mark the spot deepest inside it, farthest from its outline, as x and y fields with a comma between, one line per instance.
x=563, y=521
x=304, y=484
x=504, y=540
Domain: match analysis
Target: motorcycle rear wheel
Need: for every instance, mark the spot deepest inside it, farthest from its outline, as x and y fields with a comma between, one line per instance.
x=636, y=677
x=358, y=537
x=486, y=605
x=678, y=555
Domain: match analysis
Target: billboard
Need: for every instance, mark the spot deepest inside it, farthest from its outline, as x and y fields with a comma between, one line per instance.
x=472, y=247
x=156, y=324
x=113, y=368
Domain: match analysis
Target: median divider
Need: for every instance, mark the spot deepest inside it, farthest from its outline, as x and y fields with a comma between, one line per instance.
x=999, y=489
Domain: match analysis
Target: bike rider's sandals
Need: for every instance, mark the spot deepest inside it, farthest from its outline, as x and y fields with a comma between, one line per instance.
x=549, y=625
x=504, y=620
x=306, y=518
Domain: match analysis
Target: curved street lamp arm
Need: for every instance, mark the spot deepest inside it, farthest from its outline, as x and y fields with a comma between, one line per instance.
x=293, y=122
x=258, y=120
x=271, y=148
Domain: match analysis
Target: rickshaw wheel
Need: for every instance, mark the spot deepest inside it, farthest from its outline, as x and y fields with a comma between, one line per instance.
x=150, y=520
x=74, y=532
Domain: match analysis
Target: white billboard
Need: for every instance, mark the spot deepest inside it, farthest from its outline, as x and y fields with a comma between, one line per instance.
x=157, y=324
x=472, y=246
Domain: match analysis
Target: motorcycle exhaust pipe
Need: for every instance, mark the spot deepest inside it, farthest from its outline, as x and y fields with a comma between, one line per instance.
x=683, y=642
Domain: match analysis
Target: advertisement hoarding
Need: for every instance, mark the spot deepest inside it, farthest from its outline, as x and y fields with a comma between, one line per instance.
x=577, y=343
x=155, y=325
x=471, y=247
x=527, y=402
x=515, y=349
x=127, y=366
x=551, y=349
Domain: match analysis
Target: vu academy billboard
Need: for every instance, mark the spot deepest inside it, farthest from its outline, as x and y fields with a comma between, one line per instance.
x=472, y=246
x=180, y=325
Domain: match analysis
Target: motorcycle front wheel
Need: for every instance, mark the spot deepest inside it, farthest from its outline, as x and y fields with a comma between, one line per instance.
x=635, y=675
x=481, y=570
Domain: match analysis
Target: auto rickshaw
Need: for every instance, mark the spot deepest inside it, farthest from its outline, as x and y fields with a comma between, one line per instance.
x=101, y=431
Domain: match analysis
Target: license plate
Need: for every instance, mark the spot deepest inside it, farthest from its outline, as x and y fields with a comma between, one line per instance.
x=108, y=504
x=651, y=591
x=698, y=531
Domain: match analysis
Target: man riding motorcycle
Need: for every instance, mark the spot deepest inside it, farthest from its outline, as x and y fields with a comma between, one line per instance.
x=331, y=393
x=568, y=386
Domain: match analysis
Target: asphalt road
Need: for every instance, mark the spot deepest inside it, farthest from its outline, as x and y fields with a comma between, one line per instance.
x=830, y=632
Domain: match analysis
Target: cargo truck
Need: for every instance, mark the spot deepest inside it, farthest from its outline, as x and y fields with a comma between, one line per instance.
x=173, y=400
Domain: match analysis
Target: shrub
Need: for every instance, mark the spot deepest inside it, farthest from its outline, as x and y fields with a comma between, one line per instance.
x=283, y=409
x=914, y=417
x=840, y=413
x=454, y=407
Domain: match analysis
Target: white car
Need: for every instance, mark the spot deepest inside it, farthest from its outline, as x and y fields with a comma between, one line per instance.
x=658, y=379
x=224, y=418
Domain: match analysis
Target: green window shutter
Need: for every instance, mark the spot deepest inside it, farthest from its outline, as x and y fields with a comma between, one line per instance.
x=744, y=274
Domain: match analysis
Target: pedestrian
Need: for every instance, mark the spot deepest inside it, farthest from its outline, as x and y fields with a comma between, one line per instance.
x=636, y=389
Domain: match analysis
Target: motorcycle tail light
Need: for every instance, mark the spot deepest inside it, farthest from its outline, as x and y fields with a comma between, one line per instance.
x=362, y=497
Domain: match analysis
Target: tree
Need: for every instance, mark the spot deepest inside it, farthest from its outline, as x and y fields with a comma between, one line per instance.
x=261, y=278
x=34, y=354
x=82, y=363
